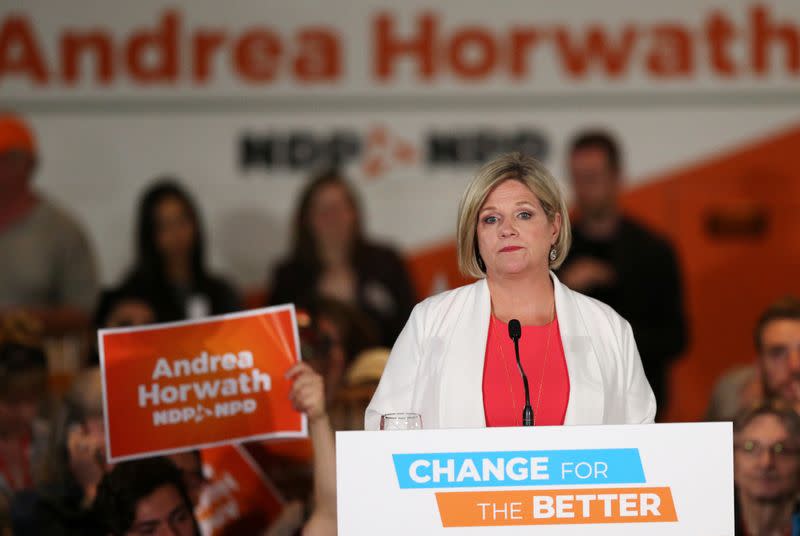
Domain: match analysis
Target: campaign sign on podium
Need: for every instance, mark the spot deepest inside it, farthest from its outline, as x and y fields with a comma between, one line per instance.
x=659, y=479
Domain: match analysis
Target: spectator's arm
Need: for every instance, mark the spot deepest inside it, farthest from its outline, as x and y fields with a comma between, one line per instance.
x=308, y=396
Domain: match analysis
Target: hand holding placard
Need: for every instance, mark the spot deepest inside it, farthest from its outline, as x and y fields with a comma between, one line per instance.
x=86, y=459
x=308, y=392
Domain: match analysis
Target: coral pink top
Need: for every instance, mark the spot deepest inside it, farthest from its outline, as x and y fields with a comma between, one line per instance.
x=503, y=391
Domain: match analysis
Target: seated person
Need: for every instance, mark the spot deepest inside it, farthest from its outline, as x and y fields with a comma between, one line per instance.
x=776, y=373
x=26, y=423
x=170, y=268
x=332, y=333
x=52, y=272
x=767, y=470
x=332, y=257
x=24, y=429
x=120, y=308
x=145, y=496
x=61, y=504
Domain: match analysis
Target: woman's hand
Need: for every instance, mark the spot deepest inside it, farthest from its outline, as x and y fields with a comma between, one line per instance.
x=586, y=273
x=308, y=392
x=86, y=459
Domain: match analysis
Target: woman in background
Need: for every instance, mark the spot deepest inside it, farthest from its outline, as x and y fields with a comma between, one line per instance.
x=170, y=269
x=332, y=259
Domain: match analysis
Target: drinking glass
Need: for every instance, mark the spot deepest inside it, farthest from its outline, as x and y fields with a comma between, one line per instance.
x=401, y=421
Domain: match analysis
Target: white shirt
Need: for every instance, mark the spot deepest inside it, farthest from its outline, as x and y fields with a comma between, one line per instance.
x=436, y=366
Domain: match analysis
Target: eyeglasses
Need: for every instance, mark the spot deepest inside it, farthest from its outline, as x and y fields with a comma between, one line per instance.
x=779, y=449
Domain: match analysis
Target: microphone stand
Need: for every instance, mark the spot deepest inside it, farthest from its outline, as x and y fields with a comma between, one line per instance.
x=515, y=332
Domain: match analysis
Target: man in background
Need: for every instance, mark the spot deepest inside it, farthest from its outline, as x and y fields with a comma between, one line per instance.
x=776, y=372
x=46, y=264
x=766, y=464
x=621, y=263
x=777, y=338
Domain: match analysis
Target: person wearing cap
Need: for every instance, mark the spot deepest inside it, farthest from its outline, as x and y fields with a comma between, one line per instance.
x=47, y=267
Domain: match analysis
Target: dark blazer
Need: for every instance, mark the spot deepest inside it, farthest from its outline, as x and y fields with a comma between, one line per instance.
x=169, y=302
x=384, y=292
x=648, y=293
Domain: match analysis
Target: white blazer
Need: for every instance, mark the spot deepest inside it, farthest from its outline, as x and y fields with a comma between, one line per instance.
x=436, y=366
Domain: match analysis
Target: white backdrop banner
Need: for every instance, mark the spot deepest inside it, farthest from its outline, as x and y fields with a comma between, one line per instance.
x=243, y=102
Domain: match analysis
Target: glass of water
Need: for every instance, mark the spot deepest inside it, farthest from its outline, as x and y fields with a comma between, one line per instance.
x=401, y=421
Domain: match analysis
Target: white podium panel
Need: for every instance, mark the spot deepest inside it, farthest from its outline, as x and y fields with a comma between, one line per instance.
x=660, y=479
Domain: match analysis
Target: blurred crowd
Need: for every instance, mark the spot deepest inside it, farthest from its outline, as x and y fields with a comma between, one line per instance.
x=353, y=296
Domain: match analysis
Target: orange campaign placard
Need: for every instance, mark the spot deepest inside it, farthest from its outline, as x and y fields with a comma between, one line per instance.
x=199, y=383
x=238, y=497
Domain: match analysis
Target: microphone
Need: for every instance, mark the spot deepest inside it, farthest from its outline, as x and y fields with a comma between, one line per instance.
x=515, y=332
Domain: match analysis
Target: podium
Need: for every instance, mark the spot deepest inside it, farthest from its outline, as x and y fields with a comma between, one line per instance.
x=658, y=479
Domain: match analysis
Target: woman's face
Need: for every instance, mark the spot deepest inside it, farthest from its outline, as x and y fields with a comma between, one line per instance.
x=514, y=234
x=332, y=216
x=175, y=232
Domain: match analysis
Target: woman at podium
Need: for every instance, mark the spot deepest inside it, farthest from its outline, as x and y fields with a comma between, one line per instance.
x=456, y=362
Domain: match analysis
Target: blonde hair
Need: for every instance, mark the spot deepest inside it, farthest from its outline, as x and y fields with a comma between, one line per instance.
x=531, y=173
